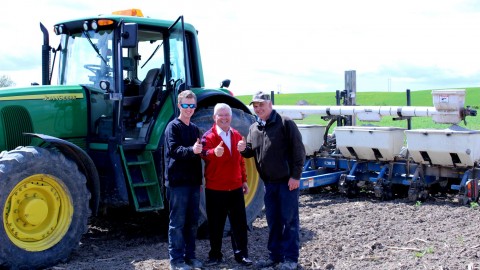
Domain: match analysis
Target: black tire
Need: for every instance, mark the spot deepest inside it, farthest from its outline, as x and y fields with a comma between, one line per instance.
x=45, y=208
x=241, y=121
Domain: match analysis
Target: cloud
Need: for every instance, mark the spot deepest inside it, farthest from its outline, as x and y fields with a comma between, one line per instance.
x=291, y=46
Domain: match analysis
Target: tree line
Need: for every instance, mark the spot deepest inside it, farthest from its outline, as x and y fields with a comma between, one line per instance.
x=6, y=81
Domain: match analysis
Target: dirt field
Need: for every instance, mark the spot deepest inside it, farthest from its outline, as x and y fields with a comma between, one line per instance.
x=336, y=233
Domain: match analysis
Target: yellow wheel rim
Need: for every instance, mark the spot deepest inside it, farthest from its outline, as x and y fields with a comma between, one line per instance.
x=37, y=213
x=253, y=180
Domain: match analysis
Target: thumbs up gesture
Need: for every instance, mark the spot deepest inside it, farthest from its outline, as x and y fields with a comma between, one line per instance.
x=242, y=144
x=219, y=149
x=197, y=147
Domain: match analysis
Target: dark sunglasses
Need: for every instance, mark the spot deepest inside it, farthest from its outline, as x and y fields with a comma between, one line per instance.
x=191, y=106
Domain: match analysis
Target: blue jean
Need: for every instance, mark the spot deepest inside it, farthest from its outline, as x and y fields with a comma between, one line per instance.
x=182, y=230
x=281, y=208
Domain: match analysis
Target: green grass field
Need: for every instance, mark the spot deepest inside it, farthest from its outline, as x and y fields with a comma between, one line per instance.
x=418, y=98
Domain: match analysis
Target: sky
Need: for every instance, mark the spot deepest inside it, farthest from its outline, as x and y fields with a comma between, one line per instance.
x=286, y=46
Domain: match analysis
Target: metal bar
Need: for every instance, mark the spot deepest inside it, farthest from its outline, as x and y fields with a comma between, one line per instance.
x=318, y=180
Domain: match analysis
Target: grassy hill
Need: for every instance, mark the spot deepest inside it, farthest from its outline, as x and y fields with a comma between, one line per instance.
x=418, y=98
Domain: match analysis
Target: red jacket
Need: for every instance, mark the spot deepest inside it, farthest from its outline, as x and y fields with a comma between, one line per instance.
x=228, y=171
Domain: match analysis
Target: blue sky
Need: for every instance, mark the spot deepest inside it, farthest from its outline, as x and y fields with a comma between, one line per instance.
x=287, y=46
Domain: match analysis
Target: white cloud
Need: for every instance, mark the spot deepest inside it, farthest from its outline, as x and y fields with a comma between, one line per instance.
x=292, y=46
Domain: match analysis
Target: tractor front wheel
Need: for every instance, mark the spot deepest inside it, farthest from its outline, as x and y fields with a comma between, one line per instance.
x=44, y=202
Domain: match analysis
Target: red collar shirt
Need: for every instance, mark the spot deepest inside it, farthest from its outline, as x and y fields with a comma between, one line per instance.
x=228, y=171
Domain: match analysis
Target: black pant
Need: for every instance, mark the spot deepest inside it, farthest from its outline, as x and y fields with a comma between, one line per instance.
x=221, y=204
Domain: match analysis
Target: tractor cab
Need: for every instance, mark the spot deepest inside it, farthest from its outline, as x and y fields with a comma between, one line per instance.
x=135, y=65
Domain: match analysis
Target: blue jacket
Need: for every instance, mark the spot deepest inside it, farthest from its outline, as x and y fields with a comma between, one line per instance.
x=277, y=147
x=182, y=166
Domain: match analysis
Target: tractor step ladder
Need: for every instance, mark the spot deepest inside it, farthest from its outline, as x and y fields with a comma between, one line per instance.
x=142, y=178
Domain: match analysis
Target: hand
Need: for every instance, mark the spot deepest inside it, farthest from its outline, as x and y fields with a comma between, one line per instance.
x=197, y=147
x=219, y=149
x=245, y=188
x=293, y=183
x=242, y=145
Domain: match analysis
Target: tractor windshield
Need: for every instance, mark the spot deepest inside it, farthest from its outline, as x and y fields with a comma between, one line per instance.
x=86, y=58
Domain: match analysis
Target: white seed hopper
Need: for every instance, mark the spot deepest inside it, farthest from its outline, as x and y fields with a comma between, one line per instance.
x=452, y=147
x=312, y=137
x=369, y=142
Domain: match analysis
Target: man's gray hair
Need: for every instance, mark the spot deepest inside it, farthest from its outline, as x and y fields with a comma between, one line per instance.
x=220, y=106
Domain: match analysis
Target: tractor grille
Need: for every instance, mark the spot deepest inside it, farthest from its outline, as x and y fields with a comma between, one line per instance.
x=16, y=121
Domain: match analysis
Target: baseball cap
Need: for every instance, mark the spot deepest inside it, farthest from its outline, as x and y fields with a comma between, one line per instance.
x=260, y=96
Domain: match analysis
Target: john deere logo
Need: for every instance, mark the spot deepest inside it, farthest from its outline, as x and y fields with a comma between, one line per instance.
x=50, y=97
x=60, y=97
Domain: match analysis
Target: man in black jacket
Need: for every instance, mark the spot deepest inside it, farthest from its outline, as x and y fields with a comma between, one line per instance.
x=183, y=177
x=276, y=144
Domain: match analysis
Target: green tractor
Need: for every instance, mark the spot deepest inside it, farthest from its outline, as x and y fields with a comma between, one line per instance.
x=95, y=139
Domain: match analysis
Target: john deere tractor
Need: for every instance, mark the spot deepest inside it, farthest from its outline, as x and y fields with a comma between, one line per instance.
x=94, y=139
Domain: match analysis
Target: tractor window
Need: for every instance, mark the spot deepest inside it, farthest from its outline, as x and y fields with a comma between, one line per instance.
x=86, y=58
x=152, y=56
x=178, y=57
x=149, y=54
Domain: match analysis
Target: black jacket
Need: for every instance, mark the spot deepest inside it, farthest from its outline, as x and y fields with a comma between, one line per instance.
x=182, y=166
x=277, y=147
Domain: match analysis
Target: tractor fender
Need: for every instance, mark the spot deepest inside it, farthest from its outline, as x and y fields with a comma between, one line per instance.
x=208, y=98
x=83, y=161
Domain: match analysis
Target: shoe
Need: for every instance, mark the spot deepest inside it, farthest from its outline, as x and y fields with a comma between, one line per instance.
x=244, y=261
x=214, y=261
x=264, y=264
x=288, y=265
x=179, y=266
x=194, y=263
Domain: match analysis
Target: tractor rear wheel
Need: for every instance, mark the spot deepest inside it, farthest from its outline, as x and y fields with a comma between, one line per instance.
x=44, y=203
x=241, y=121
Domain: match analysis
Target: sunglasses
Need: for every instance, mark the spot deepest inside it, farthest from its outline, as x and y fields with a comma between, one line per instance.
x=191, y=106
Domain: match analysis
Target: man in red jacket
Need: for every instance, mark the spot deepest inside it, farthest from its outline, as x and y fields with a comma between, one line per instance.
x=225, y=186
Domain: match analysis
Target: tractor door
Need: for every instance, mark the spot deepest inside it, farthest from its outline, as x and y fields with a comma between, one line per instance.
x=178, y=75
x=139, y=164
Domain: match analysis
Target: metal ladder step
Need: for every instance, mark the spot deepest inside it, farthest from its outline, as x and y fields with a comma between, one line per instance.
x=142, y=179
x=144, y=184
x=138, y=163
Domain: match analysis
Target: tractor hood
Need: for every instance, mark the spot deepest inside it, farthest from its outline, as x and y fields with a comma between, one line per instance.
x=58, y=111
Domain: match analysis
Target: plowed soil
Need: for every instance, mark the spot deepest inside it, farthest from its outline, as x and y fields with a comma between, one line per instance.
x=336, y=233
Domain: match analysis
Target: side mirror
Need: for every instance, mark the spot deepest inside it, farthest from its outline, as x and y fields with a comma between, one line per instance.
x=225, y=83
x=129, y=35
